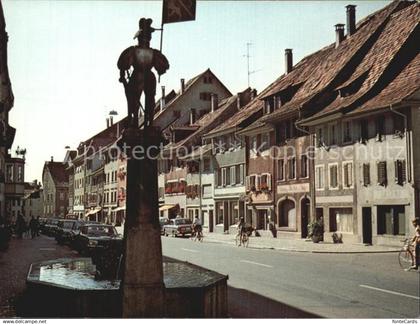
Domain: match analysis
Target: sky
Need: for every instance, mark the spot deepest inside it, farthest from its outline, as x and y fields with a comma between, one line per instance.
x=63, y=54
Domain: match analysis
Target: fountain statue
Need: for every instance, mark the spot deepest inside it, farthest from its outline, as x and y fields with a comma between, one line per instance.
x=142, y=271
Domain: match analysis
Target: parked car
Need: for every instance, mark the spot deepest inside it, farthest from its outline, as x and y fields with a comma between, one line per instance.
x=178, y=226
x=163, y=221
x=50, y=226
x=62, y=232
x=75, y=231
x=95, y=237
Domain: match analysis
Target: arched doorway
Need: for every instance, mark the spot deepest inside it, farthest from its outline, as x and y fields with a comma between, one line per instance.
x=305, y=207
x=287, y=213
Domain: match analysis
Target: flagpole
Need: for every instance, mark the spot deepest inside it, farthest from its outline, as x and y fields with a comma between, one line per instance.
x=161, y=41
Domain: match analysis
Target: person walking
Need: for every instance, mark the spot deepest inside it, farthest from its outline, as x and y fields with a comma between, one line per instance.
x=33, y=227
x=20, y=226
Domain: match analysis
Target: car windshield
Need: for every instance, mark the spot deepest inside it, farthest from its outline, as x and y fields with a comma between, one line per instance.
x=67, y=225
x=182, y=221
x=101, y=230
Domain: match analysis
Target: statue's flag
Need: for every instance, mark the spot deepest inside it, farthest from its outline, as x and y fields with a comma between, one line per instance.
x=178, y=10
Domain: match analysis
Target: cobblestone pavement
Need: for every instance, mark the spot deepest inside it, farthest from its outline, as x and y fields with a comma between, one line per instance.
x=299, y=245
x=14, y=266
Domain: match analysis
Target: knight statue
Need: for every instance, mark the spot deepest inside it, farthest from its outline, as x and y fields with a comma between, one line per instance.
x=135, y=64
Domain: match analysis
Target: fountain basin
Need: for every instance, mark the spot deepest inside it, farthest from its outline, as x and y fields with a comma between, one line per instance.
x=66, y=288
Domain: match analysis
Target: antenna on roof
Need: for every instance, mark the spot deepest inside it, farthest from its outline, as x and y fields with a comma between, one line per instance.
x=248, y=56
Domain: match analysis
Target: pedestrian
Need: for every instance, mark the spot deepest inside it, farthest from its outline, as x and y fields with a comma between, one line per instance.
x=33, y=227
x=416, y=243
x=38, y=225
x=20, y=226
x=272, y=228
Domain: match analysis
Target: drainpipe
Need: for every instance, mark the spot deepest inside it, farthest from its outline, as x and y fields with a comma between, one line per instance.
x=200, y=206
x=407, y=142
x=311, y=170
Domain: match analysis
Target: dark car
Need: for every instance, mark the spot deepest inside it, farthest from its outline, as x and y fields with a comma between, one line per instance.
x=178, y=226
x=75, y=231
x=50, y=226
x=98, y=237
x=163, y=221
x=62, y=232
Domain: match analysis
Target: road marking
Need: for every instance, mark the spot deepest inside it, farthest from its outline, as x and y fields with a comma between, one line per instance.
x=390, y=292
x=256, y=263
x=194, y=251
x=47, y=249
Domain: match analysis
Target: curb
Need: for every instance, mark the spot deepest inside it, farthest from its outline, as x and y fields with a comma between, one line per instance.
x=303, y=251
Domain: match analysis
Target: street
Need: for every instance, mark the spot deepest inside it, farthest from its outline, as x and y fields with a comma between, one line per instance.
x=368, y=285
x=262, y=282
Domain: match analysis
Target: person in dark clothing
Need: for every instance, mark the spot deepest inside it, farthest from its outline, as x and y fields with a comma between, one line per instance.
x=20, y=226
x=38, y=224
x=33, y=227
x=272, y=228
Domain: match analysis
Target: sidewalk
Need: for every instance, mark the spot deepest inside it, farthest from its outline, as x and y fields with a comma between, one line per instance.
x=14, y=266
x=299, y=245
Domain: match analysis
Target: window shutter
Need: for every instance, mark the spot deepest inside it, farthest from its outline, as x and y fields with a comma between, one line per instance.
x=248, y=183
x=269, y=181
x=403, y=171
x=232, y=176
x=224, y=177
x=257, y=182
x=346, y=175
x=366, y=174
x=241, y=173
x=382, y=175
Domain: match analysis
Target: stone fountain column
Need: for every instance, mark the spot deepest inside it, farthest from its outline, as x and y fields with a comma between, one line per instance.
x=143, y=290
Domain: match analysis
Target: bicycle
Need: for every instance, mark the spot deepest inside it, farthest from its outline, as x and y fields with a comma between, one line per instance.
x=242, y=239
x=197, y=235
x=406, y=255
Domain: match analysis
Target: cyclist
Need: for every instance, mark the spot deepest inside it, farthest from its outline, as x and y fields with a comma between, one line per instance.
x=197, y=226
x=241, y=229
x=416, y=242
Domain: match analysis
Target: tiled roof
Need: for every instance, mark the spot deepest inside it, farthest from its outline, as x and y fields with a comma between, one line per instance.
x=387, y=74
x=330, y=67
x=188, y=86
x=105, y=137
x=57, y=171
x=254, y=108
x=226, y=108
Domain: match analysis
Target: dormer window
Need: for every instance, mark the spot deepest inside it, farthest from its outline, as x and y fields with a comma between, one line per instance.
x=269, y=105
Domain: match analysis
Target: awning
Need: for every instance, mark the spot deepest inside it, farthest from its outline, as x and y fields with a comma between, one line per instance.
x=166, y=207
x=93, y=211
x=118, y=209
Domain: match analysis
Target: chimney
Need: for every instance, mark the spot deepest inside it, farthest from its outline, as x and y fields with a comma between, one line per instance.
x=238, y=101
x=52, y=159
x=162, y=100
x=351, y=19
x=253, y=94
x=192, y=116
x=288, y=59
x=214, y=102
x=339, y=34
x=111, y=121
x=182, y=85
x=107, y=123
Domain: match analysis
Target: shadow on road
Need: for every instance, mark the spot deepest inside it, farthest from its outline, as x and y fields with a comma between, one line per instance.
x=246, y=304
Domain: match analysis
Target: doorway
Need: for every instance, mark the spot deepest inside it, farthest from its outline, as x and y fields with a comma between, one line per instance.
x=367, y=225
x=211, y=221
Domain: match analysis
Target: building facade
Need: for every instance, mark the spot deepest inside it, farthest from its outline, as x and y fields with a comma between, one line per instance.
x=56, y=185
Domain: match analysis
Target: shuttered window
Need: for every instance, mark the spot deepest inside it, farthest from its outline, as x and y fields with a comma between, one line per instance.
x=400, y=172
x=304, y=172
x=366, y=174
x=333, y=176
x=319, y=174
x=382, y=174
x=280, y=170
x=348, y=175
x=292, y=168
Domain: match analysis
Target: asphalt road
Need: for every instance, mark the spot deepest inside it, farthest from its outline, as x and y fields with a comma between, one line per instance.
x=268, y=283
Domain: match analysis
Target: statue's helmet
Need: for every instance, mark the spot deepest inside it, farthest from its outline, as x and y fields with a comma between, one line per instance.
x=145, y=29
